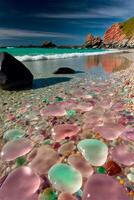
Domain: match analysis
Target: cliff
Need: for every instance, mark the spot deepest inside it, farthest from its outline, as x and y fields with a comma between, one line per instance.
x=120, y=35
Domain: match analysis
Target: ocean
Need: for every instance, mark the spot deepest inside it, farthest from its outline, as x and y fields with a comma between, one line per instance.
x=34, y=54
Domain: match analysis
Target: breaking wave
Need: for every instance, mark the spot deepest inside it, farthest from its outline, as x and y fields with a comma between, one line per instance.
x=61, y=56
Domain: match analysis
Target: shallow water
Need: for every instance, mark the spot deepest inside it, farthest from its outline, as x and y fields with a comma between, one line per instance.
x=98, y=66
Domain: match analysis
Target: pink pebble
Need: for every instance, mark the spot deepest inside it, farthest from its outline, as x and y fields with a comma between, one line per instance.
x=110, y=131
x=15, y=148
x=21, y=184
x=123, y=155
x=44, y=159
x=84, y=107
x=62, y=131
x=128, y=134
x=53, y=110
x=118, y=106
x=68, y=105
x=104, y=187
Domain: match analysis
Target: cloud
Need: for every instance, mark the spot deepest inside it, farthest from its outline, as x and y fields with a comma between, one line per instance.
x=6, y=33
x=102, y=12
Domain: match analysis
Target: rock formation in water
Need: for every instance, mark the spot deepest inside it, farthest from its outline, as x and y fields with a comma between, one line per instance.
x=120, y=35
x=48, y=44
x=13, y=74
x=93, y=42
x=64, y=70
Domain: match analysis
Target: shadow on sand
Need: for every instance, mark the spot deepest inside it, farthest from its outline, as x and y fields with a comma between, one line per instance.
x=44, y=82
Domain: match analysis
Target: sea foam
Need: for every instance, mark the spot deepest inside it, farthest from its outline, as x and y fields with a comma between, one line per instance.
x=61, y=56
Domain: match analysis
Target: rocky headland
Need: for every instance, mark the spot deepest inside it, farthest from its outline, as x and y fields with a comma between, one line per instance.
x=119, y=35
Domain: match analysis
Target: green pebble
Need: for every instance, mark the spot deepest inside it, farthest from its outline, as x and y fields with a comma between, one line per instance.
x=59, y=99
x=48, y=194
x=71, y=113
x=94, y=151
x=46, y=100
x=13, y=134
x=79, y=193
x=65, y=178
x=20, y=161
x=101, y=170
x=47, y=141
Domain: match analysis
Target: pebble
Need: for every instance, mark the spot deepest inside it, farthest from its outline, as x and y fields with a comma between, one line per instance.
x=130, y=177
x=103, y=187
x=22, y=183
x=13, y=134
x=123, y=155
x=53, y=110
x=65, y=178
x=101, y=170
x=66, y=148
x=94, y=151
x=48, y=194
x=43, y=159
x=112, y=168
x=110, y=131
x=15, y=148
x=62, y=131
x=79, y=163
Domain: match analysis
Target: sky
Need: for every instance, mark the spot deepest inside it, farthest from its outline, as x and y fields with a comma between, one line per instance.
x=63, y=22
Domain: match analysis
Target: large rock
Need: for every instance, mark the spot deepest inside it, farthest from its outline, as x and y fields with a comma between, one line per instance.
x=13, y=73
x=48, y=44
x=93, y=42
x=120, y=35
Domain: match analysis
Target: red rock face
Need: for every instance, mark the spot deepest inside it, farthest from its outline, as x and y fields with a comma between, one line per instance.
x=118, y=35
x=115, y=37
x=114, y=34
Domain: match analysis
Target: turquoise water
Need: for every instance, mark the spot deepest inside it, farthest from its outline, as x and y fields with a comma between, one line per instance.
x=46, y=51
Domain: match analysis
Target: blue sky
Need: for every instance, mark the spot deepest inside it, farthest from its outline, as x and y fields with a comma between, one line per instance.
x=61, y=21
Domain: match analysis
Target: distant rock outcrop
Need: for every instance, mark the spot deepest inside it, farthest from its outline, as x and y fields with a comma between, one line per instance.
x=48, y=44
x=93, y=42
x=120, y=35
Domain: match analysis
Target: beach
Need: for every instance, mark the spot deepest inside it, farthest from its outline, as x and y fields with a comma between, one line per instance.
x=98, y=99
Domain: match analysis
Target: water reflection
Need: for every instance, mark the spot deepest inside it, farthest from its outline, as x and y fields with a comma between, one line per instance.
x=93, y=66
x=109, y=63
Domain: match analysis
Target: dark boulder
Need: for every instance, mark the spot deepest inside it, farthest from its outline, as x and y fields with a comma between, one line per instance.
x=13, y=74
x=64, y=70
x=48, y=44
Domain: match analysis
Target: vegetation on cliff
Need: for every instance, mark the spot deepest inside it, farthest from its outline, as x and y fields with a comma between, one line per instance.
x=128, y=27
